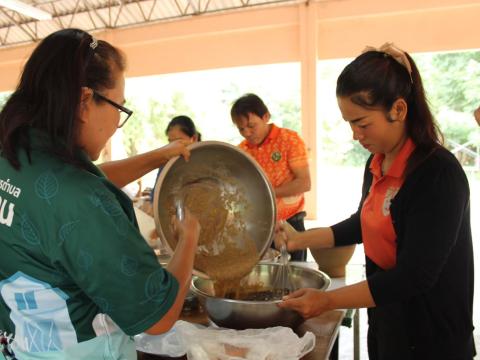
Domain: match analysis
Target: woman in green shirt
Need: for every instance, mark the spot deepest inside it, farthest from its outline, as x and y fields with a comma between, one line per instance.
x=77, y=279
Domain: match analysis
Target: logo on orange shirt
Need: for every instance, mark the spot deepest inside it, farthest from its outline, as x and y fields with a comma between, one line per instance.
x=389, y=195
x=276, y=156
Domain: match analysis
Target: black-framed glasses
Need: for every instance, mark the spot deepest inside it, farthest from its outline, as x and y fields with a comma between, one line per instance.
x=124, y=112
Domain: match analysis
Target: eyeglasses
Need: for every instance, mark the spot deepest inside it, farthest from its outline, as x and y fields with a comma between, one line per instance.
x=124, y=112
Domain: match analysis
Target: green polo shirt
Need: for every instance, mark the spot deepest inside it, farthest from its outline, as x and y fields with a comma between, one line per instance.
x=72, y=258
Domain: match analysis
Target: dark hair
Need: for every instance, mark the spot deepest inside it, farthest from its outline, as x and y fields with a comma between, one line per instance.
x=49, y=92
x=376, y=80
x=248, y=104
x=186, y=125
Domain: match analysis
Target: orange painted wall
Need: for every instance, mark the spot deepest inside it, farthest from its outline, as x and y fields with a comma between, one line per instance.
x=416, y=26
x=271, y=35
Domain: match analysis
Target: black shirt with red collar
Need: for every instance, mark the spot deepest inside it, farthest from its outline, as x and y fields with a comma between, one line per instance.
x=424, y=304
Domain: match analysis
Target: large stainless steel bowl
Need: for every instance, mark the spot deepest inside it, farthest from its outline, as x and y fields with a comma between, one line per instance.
x=209, y=159
x=241, y=314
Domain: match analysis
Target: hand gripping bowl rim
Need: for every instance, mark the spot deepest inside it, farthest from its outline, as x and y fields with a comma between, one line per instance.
x=199, y=292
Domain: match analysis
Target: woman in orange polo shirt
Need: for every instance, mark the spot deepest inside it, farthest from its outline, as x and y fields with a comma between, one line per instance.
x=282, y=155
x=413, y=219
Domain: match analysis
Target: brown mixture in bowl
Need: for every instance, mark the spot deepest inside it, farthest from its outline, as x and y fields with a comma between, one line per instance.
x=226, y=253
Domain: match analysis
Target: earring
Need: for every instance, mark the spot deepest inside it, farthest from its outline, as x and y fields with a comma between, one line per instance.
x=391, y=118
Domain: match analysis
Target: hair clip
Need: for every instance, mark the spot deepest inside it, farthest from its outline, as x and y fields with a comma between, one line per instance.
x=389, y=49
x=94, y=43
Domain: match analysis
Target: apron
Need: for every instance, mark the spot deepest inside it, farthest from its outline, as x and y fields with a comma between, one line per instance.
x=115, y=346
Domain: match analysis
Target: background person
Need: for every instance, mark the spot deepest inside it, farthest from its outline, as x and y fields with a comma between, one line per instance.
x=77, y=279
x=413, y=220
x=180, y=128
x=476, y=114
x=282, y=155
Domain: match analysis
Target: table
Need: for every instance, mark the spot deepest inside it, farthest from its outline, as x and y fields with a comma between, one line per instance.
x=325, y=328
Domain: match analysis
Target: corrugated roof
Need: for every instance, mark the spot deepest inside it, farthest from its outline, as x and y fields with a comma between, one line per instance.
x=96, y=15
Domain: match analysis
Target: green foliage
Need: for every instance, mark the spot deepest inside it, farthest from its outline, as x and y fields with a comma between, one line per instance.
x=336, y=146
x=357, y=155
x=3, y=99
x=158, y=119
x=229, y=94
x=288, y=112
x=133, y=131
x=154, y=118
x=160, y=114
x=451, y=80
x=457, y=126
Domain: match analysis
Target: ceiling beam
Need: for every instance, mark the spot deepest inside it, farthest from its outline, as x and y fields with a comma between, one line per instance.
x=75, y=9
x=151, y=10
x=20, y=26
x=97, y=11
x=118, y=14
x=26, y=9
x=94, y=10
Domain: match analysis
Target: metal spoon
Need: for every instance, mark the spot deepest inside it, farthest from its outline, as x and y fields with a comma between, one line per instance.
x=179, y=209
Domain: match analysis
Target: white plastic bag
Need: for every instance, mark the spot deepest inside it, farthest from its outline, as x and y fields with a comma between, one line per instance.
x=276, y=343
x=167, y=344
x=202, y=343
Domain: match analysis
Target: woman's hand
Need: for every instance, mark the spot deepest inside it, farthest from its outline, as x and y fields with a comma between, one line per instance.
x=307, y=302
x=153, y=235
x=187, y=229
x=176, y=147
x=285, y=234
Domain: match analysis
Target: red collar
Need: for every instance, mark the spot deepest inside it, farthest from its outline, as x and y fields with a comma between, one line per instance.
x=398, y=166
x=272, y=135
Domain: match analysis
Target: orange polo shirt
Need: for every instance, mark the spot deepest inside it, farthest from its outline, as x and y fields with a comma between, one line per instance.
x=281, y=151
x=378, y=234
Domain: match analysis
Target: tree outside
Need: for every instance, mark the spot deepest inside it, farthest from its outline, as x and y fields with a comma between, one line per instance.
x=452, y=83
x=146, y=129
x=3, y=98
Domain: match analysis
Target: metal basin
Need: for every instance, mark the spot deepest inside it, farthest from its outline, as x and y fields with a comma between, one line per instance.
x=219, y=161
x=241, y=314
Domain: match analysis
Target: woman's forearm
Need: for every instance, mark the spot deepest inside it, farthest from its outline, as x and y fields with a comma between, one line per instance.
x=123, y=172
x=181, y=263
x=295, y=187
x=318, y=238
x=180, y=266
x=351, y=297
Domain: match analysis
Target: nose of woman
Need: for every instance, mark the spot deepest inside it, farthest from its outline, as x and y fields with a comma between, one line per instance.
x=357, y=133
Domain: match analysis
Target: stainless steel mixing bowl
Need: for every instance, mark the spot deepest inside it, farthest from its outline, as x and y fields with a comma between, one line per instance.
x=209, y=159
x=241, y=314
